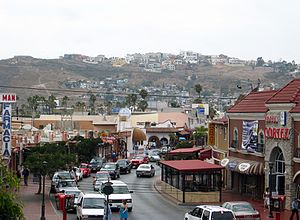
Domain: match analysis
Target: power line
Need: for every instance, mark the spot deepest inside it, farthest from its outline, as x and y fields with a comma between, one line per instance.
x=90, y=91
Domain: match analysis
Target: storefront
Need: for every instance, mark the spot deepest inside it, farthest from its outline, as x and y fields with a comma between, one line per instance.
x=192, y=181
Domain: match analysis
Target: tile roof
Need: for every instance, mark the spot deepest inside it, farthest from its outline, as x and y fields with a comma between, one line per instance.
x=191, y=165
x=185, y=150
x=287, y=94
x=254, y=102
x=180, y=118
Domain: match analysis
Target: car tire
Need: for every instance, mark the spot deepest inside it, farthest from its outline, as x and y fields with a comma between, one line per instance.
x=137, y=176
x=130, y=209
x=129, y=171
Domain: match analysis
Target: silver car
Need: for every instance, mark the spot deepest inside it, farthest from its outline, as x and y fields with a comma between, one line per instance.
x=242, y=210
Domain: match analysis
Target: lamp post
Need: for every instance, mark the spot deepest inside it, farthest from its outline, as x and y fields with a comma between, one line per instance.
x=43, y=197
x=270, y=189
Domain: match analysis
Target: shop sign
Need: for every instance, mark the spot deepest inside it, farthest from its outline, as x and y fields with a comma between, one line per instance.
x=244, y=166
x=232, y=165
x=211, y=134
x=277, y=133
x=271, y=119
x=8, y=97
x=6, y=130
x=224, y=162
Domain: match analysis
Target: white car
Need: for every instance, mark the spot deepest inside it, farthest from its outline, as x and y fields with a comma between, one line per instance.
x=90, y=206
x=145, y=170
x=120, y=193
x=153, y=156
x=209, y=212
x=70, y=191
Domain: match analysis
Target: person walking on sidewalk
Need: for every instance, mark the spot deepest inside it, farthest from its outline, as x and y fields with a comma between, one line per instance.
x=295, y=206
x=25, y=174
x=124, y=211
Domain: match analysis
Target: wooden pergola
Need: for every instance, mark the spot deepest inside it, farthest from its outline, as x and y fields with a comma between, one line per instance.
x=192, y=181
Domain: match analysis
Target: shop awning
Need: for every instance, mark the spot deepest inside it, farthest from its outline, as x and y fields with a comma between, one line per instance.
x=243, y=166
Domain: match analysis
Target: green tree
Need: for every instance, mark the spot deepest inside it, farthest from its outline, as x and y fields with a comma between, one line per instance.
x=10, y=205
x=198, y=89
x=51, y=103
x=143, y=93
x=200, y=135
x=80, y=106
x=142, y=105
x=92, y=101
x=65, y=100
x=131, y=100
x=33, y=103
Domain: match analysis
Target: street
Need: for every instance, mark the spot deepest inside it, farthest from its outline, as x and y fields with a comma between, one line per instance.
x=147, y=202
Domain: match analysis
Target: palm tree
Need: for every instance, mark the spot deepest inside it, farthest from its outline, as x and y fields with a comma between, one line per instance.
x=200, y=135
x=65, y=100
x=51, y=103
x=131, y=100
x=92, y=101
x=143, y=93
x=142, y=105
x=198, y=89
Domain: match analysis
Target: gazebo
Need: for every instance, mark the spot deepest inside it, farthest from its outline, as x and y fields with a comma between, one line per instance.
x=192, y=181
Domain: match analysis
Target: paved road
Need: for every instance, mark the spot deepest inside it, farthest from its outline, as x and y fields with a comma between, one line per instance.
x=148, y=203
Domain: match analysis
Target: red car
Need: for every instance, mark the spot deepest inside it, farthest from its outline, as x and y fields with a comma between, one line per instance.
x=85, y=169
x=139, y=159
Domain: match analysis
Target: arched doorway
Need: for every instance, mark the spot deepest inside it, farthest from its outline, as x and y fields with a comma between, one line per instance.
x=278, y=178
x=164, y=141
x=154, y=142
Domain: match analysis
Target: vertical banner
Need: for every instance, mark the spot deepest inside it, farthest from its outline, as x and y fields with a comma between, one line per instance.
x=211, y=134
x=6, y=130
x=250, y=130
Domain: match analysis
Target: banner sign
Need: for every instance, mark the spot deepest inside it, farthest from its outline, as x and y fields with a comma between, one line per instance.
x=6, y=130
x=249, y=137
x=211, y=134
x=8, y=97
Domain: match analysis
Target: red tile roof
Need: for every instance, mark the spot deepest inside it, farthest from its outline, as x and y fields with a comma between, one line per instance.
x=254, y=102
x=287, y=94
x=191, y=165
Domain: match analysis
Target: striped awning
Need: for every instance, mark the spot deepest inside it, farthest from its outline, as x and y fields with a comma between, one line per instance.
x=240, y=165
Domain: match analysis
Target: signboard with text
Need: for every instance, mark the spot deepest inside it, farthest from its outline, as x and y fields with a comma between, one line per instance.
x=6, y=130
x=8, y=97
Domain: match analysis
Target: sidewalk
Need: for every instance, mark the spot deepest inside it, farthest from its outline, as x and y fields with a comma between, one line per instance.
x=229, y=196
x=33, y=202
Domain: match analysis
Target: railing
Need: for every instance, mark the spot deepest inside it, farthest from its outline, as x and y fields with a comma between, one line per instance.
x=234, y=144
x=260, y=148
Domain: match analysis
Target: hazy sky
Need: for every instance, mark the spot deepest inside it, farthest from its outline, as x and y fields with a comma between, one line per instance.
x=239, y=28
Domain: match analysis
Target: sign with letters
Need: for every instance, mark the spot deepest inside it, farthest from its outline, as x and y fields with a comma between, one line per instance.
x=6, y=130
x=8, y=97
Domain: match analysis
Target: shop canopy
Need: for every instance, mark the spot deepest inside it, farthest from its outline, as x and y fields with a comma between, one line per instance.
x=191, y=165
x=243, y=166
x=186, y=150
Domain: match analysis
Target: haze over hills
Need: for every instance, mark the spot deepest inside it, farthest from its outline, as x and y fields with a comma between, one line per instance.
x=26, y=71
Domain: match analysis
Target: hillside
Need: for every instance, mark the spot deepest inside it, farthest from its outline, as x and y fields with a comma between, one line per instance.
x=42, y=73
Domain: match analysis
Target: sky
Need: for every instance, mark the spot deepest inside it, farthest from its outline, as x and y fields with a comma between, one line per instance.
x=246, y=29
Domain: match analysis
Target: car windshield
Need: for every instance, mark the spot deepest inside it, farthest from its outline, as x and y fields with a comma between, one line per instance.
x=75, y=193
x=120, y=190
x=93, y=203
x=144, y=167
x=153, y=153
x=68, y=184
x=138, y=157
x=242, y=208
x=65, y=175
x=102, y=175
x=109, y=166
x=83, y=166
x=122, y=162
x=222, y=215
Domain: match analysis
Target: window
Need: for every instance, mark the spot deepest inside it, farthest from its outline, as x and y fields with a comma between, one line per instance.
x=235, y=138
x=224, y=133
x=205, y=215
x=261, y=142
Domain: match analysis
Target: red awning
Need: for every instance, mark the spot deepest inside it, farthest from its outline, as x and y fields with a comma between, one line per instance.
x=185, y=150
x=191, y=165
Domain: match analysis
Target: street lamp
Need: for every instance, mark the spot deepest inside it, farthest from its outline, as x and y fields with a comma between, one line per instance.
x=43, y=197
x=271, y=164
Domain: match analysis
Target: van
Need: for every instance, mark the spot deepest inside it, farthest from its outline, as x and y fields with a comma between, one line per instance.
x=90, y=206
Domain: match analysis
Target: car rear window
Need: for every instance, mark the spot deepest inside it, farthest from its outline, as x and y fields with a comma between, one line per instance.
x=222, y=215
x=242, y=208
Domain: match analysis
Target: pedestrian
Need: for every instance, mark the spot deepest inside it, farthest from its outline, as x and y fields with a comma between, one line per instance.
x=124, y=210
x=295, y=206
x=267, y=198
x=25, y=174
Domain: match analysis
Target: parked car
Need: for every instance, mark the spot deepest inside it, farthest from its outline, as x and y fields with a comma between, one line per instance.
x=62, y=185
x=242, y=210
x=85, y=169
x=145, y=170
x=96, y=164
x=90, y=206
x=209, y=212
x=164, y=150
x=139, y=159
x=153, y=156
x=57, y=176
x=125, y=165
x=113, y=169
x=121, y=192
x=68, y=191
x=101, y=176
